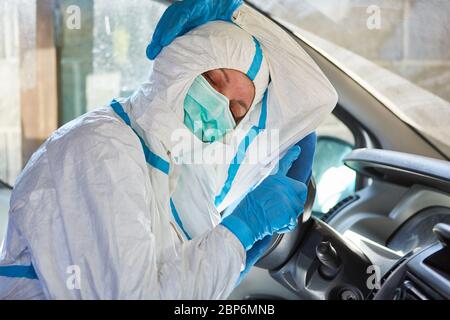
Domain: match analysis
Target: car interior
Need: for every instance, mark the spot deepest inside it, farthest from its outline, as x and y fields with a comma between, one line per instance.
x=387, y=234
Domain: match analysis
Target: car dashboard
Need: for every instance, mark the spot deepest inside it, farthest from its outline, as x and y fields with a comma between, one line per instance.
x=394, y=222
x=387, y=241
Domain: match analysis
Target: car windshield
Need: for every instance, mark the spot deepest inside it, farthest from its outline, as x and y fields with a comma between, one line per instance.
x=399, y=50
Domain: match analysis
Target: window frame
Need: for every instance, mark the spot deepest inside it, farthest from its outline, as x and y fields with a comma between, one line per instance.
x=363, y=138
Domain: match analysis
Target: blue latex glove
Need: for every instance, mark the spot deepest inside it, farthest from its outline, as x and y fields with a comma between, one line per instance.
x=253, y=255
x=273, y=206
x=301, y=170
x=183, y=16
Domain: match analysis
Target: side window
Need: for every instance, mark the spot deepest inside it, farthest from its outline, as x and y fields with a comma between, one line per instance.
x=106, y=57
x=334, y=181
x=59, y=59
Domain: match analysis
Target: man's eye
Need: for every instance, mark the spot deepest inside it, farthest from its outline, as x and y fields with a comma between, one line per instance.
x=210, y=79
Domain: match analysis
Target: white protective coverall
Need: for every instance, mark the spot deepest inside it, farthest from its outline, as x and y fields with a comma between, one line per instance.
x=108, y=208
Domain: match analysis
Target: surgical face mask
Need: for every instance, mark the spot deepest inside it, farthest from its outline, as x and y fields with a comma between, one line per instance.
x=207, y=112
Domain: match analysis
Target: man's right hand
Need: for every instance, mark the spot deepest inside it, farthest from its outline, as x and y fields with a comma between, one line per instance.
x=273, y=207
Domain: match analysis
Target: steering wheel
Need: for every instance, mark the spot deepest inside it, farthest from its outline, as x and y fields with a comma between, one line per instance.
x=315, y=261
x=283, y=245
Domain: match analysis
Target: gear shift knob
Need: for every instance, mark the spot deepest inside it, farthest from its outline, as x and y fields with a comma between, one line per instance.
x=329, y=259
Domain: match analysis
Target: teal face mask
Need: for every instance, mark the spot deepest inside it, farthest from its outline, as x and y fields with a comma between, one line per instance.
x=207, y=112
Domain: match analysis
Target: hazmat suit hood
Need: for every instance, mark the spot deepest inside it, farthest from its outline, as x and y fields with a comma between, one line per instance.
x=292, y=97
x=212, y=46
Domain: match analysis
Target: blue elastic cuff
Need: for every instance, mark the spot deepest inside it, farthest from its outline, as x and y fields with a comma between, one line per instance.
x=18, y=271
x=240, y=230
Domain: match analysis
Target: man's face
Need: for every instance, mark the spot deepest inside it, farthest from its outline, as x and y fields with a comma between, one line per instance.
x=236, y=86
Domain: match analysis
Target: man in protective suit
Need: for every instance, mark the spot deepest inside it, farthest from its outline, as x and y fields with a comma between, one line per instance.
x=111, y=205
